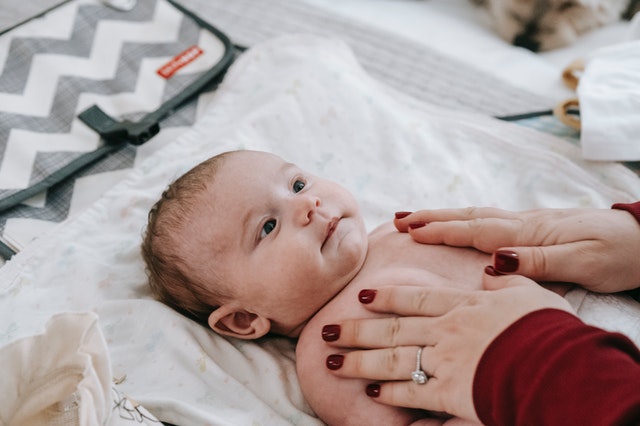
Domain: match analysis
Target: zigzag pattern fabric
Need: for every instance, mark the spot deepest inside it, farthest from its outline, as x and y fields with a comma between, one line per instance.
x=80, y=54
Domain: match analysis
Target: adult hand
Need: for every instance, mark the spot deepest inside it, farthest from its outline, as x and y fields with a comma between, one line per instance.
x=454, y=326
x=597, y=249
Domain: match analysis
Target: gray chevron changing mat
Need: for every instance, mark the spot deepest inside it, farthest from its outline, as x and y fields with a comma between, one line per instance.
x=83, y=82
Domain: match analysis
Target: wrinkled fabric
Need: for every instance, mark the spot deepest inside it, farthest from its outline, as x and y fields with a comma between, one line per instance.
x=609, y=94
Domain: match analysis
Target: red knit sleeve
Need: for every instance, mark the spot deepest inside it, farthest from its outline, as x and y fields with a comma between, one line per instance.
x=633, y=208
x=549, y=368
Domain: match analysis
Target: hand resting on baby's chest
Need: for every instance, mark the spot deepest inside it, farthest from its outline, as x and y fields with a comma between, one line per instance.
x=393, y=259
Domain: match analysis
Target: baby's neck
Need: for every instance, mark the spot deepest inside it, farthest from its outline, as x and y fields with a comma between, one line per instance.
x=295, y=332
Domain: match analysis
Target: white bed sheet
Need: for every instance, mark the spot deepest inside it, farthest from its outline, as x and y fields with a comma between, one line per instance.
x=307, y=99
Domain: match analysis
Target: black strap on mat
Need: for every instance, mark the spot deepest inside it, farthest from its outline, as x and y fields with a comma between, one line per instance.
x=118, y=134
x=139, y=132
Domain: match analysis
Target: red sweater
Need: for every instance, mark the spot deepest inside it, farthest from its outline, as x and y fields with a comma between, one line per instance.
x=549, y=368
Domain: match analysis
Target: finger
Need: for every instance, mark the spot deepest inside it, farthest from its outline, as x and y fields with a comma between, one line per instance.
x=386, y=332
x=397, y=363
x=426, y=397
x=414, y=300
x=408, y=394
x=445, y=215
x=486, y=235
x=568, y=262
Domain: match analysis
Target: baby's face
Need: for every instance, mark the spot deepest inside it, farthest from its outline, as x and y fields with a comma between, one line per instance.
x=286, y=242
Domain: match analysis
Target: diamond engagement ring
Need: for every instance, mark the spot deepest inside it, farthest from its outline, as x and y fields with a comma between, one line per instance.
x=419, y=377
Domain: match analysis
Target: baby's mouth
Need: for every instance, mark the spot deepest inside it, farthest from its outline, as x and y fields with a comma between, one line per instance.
x=331, y=227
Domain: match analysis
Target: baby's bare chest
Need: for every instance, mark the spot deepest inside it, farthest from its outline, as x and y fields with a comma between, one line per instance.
x=393, y=259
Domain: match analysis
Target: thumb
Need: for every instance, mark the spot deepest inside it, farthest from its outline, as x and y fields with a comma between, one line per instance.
x=548, y=263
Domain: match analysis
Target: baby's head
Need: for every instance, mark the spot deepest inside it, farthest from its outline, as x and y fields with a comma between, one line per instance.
x=251, y=244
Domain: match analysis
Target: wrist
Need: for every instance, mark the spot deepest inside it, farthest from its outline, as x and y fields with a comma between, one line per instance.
x=634, y=210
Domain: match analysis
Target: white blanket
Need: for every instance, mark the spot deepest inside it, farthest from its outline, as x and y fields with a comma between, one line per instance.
x=609, y=95
x=307, y=100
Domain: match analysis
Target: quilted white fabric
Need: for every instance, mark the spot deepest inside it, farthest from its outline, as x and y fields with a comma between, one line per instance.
x=308, y=100
x=62, y=377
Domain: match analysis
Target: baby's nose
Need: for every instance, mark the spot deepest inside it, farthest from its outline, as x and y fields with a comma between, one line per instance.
x=306, y=206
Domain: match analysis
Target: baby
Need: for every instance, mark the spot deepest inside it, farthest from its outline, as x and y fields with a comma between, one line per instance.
x=250, y=244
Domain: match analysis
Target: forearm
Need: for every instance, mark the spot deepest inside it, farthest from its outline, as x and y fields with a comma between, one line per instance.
x=550, y=368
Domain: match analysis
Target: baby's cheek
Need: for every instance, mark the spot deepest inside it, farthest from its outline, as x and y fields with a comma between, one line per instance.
x=353, y=250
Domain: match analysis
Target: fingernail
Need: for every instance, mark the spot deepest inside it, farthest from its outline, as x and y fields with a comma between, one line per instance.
x=331, y=332
x=506, y=261
x=490, y=270
x=334, y=362
x=366, y=296
x=402, y=215
x=373, y=390
x=416, y=225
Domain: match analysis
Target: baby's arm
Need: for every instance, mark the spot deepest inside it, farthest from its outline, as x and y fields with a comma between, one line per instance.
x=339, y=401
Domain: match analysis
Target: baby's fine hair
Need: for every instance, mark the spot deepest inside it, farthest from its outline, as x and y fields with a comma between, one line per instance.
x=170, y=276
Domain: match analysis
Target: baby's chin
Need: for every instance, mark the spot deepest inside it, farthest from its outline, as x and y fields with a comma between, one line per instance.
x=353, y=251
x=357, y=259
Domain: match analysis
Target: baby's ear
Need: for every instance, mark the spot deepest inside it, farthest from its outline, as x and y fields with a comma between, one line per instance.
x=230, y=320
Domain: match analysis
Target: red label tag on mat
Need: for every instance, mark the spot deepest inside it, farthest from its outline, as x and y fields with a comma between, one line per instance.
x=179, y=61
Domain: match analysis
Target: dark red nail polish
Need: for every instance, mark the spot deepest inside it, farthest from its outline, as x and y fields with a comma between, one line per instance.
x=417, y=225
x=331, y=332
x=334, y=362
x=366, y=296
x=490, y=270
x=373, y=390
x=402, y=215
x=506, y=261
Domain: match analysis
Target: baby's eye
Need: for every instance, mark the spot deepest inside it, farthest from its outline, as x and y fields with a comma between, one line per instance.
x=267, y=228
x=298, y=185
